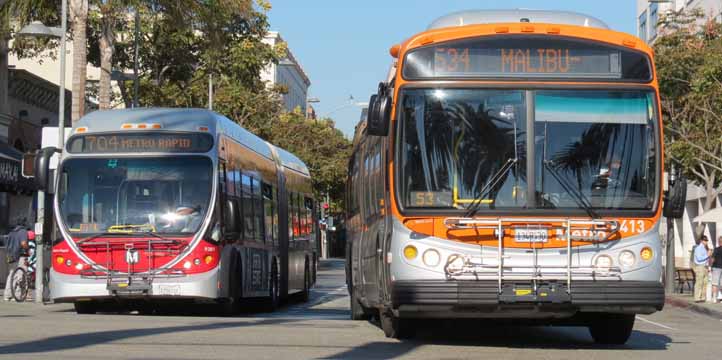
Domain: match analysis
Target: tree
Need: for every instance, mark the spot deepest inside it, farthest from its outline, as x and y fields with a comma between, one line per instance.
x=689, y=66
x=321, y=146
x=79, y=17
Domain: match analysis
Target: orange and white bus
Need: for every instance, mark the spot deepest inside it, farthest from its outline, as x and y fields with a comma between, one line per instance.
x=510, y=167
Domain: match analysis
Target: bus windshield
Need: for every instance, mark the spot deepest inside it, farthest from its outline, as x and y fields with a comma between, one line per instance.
x=468, y=147
x=135, y=195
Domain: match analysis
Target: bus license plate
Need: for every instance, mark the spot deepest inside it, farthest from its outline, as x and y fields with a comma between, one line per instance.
x=531, y=235
x=169, y=290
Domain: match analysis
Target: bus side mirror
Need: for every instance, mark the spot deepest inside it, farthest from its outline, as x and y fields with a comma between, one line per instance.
x=28, y=166
x=231, y=219
x=40, y=168
x=675, y=199
x=379, y=113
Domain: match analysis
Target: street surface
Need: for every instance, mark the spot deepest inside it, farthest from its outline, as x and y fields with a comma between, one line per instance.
x=321, y=329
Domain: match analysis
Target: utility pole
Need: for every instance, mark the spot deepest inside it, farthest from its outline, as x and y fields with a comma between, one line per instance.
x=210, y=91
x=136, y=40
x=669, y=268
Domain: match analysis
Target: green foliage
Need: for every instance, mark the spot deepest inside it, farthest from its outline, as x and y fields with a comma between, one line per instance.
x=322, y=147
x=689, y=68
x=185, y=42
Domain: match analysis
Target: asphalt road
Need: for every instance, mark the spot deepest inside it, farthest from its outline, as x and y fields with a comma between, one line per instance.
x=321, y=329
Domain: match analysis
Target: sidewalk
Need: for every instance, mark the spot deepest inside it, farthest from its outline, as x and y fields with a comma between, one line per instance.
x=686, y=301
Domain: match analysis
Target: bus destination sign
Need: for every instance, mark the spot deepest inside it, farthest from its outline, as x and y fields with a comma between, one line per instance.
x=140, y=142
x=528, y=61
x=525, y=58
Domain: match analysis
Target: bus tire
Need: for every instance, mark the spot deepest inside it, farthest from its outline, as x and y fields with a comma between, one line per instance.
x=395, y=327
x=274, y=290
x=357, y=310
x=85, y=307
x=611, y=329
x=306, y=293
x=230, y=304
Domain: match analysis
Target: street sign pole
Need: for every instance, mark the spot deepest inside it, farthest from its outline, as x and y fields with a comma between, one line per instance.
x=669, y=268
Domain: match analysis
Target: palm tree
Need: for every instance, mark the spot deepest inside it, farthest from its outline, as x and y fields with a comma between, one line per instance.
x=108, y=21
x=79, y=19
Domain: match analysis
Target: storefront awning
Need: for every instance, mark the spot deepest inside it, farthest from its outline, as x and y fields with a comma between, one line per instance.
x=11, y=180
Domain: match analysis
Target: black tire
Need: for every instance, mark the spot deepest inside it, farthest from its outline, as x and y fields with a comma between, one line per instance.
x=19, y=284
x=274, y=290
x=612, y=329
x=85, y=307
x=231, y=305
x=357, y=310
x=306, y=293
x=395, y=327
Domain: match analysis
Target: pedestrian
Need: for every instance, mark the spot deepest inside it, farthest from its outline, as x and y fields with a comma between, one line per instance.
x=16, y=237
x=701, y=254
x=716, y=264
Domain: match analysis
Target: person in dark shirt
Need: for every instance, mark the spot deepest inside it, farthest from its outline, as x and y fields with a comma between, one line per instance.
x=717, y=270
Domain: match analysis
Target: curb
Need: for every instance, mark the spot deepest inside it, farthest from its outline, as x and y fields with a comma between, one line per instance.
x=716, y=314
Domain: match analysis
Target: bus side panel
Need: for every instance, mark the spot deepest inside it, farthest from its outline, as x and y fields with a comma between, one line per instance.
x=283, y=225
x=256, y=264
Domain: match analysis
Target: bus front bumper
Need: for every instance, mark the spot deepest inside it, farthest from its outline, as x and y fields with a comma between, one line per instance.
x=482, y=298
x=69, y=288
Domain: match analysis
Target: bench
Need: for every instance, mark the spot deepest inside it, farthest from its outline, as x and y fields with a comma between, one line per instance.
x=684, y=276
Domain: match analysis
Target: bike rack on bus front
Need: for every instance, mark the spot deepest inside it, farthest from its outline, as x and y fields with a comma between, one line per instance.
x=118, y=281
x=499, y=226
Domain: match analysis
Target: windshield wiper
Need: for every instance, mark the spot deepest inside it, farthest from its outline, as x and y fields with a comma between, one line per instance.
x=577, y=195
x=475, y=205
x=95, y=236
x=150, y=233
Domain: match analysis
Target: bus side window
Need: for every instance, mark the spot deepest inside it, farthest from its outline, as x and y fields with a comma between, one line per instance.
x=268, y=213
x=274, y=201
x=257, y=210
x=290, y=216
x=249, y=230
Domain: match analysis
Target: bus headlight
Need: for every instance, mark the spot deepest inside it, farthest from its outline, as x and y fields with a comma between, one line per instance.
x=627, y=258
x=431, y=258
x=603, y=262
x=410, y=252
x=646, y=254
x=187, y=265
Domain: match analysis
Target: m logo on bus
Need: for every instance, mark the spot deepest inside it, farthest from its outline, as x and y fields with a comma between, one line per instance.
x=131, y=256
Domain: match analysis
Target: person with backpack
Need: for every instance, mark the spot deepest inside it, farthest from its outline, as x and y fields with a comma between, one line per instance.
x=16, y=238
x=701, y=254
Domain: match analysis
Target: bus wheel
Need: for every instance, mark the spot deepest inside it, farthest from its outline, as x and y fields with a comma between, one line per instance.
x=85, y=307
x=612, y=329
x=274, y=291
x=395, y=327
x=306, y=293
x=357, y=310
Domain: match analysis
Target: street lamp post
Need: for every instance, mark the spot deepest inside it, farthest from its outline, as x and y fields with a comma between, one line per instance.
x=310, y=100
x=350, y=102
x=38, y=29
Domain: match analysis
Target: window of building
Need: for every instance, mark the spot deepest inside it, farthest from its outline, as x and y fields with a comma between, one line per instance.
x=653, y=20
x=642, y=31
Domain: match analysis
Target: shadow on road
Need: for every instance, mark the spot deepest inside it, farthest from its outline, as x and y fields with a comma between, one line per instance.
x=75, y=341
x=459, y=333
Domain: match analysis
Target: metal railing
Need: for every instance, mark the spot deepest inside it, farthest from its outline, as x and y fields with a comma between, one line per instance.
x=607, y=228
x=114, y=277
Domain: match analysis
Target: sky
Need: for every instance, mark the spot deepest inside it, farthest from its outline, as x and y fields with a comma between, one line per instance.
x=343, y=46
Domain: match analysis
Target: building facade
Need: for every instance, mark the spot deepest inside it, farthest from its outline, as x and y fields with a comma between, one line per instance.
x=289, y=74
x=648, y=14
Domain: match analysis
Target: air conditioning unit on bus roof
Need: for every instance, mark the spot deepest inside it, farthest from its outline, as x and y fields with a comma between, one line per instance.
x=471, y=17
